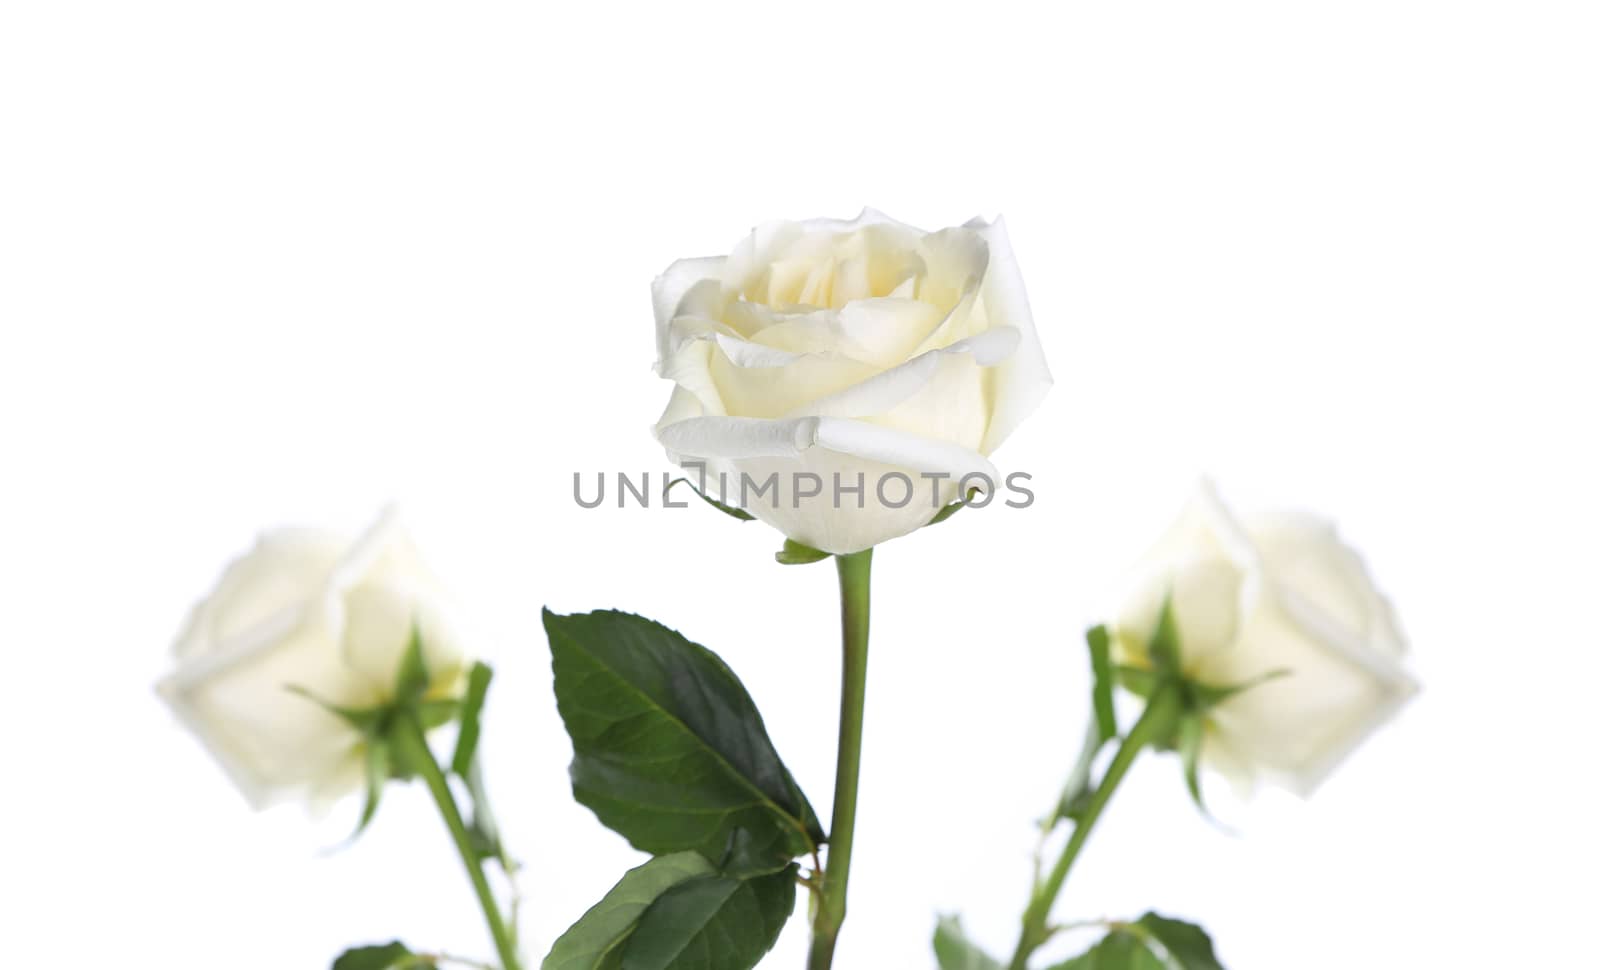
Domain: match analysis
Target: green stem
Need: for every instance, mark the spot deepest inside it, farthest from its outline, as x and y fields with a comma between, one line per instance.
x=1160, y=713
x=855, y=583
x=412, y=742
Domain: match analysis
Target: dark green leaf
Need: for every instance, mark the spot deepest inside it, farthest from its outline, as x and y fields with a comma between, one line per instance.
x=389, y=956
x=795, y=554
x=595, y=940
x=668, y=748
x=711, y=922
x=471, y=718
x=749, y=854
x=1105, y=711
x=1187, y=946
x=1120, y=950
x=412, y=680
x=955, y=952
x=725, y=509
x=1166, y=650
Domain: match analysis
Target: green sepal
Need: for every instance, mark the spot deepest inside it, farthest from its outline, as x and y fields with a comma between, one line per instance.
x=1102, y=730
x=471, y=718
x=953, y=507
x=376, y=770
x=722, y=507
x=1204, y=697
x=1140, y=681
x=482, y=829
x=955, y=952
x=797, y=554
x=387, y=956
x=1190, y=742
x=366, y=720
x=411, y=682
x=1079, y=788
x=437, y=713
x=1105, y=711
x=1165, y=647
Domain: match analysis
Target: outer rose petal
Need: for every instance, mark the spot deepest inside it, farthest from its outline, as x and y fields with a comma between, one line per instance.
x=1296, y=729
x=1305, y=554
x=284, y=570
x=272, y=743
x=669, y=289
x=824, y=446
x=1021, y=382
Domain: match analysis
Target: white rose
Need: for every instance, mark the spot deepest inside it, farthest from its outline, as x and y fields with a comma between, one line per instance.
x=319, y=613
x=866, y=350
x=1277, y=592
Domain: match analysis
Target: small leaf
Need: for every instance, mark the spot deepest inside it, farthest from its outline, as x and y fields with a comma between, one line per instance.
x=389, y=956
x=1165, y=646
x=412, y=680
x=471, y=718
x=668, y=748
x=955, y=952
x=722, y=507
x=1187, y=945
x=795, y=554
x=712, y=922
x=1105, y=711
x=1102, y=729
x=1079, y=788
x=1119, y=950
x=483, y=830
x=596, y=939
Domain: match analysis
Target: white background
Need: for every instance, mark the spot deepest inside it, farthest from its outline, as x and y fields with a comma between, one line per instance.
x=282, y=262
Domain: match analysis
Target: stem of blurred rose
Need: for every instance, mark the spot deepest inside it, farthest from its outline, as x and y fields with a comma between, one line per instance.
x=855, y=583
x=412, y=743
x=1160, y=714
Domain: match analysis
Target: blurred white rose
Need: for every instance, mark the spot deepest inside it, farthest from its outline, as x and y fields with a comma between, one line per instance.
x=312, y=611
x=1263, y=594
x=864, y=349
